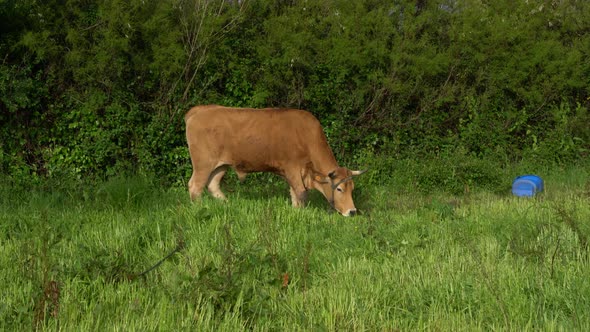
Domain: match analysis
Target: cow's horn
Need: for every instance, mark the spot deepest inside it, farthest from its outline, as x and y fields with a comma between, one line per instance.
x=355, y=173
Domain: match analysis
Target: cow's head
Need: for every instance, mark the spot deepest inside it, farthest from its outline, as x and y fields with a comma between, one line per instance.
x=337, y=187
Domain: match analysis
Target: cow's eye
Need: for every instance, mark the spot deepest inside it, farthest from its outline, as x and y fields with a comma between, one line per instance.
x=340, y=189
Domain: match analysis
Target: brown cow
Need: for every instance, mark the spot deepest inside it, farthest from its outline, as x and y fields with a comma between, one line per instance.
x=287, y=142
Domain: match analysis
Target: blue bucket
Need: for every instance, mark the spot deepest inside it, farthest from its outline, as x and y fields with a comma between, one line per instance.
x=527, y=185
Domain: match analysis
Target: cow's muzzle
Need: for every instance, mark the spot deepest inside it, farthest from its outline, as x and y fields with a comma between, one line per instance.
x=350, y=213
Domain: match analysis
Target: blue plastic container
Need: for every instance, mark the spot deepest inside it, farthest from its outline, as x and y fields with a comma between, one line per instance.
x=527, y=185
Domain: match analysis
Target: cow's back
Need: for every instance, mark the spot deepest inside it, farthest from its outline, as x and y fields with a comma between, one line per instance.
x=253, y=139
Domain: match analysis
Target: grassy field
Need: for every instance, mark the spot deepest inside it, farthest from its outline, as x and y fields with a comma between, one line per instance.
x=71, y=260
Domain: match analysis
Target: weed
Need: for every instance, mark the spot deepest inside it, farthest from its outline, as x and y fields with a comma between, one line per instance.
x=41, y=270
x=568, y=218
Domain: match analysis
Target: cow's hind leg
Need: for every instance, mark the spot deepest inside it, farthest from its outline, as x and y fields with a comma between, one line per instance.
x=197, y=182
x=215, y=180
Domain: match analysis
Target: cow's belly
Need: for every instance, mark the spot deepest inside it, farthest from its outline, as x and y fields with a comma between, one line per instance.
x=245, y=166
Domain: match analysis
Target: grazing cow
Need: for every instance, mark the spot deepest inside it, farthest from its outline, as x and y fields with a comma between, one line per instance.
x=287, y=142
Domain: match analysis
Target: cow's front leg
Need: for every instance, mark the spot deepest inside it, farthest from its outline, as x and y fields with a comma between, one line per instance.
x=298, y=197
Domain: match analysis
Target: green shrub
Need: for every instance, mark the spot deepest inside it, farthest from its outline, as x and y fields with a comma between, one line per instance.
x=98, y=88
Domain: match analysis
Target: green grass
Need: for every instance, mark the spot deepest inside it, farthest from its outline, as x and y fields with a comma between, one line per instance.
x=413, y=261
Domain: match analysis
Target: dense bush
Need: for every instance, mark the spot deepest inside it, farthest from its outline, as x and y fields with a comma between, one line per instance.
x=97, y=88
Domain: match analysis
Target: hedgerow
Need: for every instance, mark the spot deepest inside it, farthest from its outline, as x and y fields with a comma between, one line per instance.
x=99, y=88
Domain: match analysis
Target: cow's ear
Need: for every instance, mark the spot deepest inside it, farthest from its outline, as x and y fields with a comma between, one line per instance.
x=309, y=176
x=332, y=175
x=317, y=177
x=306, y=177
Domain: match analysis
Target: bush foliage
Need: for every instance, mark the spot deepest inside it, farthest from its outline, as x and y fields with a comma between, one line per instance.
x=97, y=88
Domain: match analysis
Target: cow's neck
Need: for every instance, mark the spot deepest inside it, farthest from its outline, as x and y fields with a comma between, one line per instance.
x=323, y=160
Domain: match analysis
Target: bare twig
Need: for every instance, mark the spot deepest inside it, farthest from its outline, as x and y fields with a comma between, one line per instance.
x=178, y=248
x=553, y=256
x=92, y=26
x=197, y=40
